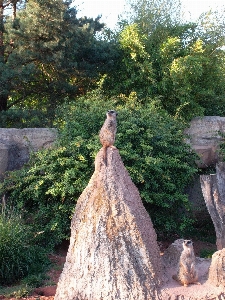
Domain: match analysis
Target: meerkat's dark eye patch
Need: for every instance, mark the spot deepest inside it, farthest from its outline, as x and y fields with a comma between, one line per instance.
x=189, y=242
x=112, y=112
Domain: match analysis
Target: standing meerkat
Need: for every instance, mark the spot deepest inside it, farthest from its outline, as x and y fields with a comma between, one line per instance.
x=107, y=133
x=187, y=272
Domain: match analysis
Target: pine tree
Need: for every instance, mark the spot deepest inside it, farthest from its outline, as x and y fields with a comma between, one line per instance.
x=4, y=6
x=42, y=45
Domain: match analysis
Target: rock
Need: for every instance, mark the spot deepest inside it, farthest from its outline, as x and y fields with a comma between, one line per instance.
x=213, y=190
x=3, y=158
x=205, y=137
x=113, y=252
x=33, y=138
x=217, y=269
x=16, y=145
x=172, y=290
x=172, y=254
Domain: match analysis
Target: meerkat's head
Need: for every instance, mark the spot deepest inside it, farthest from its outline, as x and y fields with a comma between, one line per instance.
x=187, y=244
x=111, y=114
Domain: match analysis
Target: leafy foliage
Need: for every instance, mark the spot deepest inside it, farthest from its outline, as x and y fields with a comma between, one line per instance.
x=161, y=56
x=18, y=255
x=25, y=118
x=17, y=292
x=46, y=55
x=152, y=148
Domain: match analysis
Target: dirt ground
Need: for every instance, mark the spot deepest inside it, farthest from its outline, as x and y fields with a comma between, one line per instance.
x=170, y=289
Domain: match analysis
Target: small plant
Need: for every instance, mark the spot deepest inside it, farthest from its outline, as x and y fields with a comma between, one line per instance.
x=18, y=291
x=18, y=256
x=35, y=280
x=206, y=253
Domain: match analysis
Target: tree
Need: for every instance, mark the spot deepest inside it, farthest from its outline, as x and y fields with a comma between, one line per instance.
x=45, y=54
x=133, y=69
x=161, y=56
x=3, y=6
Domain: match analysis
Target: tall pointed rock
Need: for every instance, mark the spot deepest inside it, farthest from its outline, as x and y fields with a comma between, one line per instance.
x=113, y=253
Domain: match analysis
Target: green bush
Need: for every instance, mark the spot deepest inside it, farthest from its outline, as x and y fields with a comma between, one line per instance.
x=18, y=256
x=206, y=253
x=17, y=291
x=24, y=118
x=151, y=144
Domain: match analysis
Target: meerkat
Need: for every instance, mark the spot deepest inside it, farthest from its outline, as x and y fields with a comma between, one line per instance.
x=187, y=273
x=107, y=133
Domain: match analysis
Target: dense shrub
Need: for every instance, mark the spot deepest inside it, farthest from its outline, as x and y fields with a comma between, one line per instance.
x=25, y=118
x=18, y=256
x=151, y=144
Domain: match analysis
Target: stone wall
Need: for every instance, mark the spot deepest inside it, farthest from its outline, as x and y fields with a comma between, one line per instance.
x=16, y=145
x=205, y=136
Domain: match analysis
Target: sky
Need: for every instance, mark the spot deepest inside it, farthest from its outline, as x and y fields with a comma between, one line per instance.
x=110, y=9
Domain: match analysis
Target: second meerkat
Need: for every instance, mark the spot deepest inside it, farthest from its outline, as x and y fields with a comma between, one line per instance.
x=107, y=133
x=187, y=273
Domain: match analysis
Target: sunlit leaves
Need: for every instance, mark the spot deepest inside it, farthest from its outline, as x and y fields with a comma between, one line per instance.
x=151, y=145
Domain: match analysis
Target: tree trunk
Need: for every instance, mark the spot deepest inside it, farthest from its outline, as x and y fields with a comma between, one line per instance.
x=1, y=31
x=213, y=189
x=14, y=11
x=3, y=98
x=3, y=102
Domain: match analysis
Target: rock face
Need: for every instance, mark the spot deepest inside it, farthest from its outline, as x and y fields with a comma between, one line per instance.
x=205, y=137
x=213, y=190
x=113, y=253
x=172, y=254
x=217, y=269
x=16, y=144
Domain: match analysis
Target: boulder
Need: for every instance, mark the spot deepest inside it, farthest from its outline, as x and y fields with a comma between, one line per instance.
x=217, y=269
x=172, y=254
x=113, y=252
x=213, y=190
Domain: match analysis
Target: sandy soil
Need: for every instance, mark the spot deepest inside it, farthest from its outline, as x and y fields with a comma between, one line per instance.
x=173, y=290
x=170, y=291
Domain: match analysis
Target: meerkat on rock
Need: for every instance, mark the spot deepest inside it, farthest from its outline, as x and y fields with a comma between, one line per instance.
x=187, y=273
x=107, y=133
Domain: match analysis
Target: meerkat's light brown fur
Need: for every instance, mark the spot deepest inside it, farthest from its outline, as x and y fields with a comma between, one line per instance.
x=187, y=273
x=107, y=133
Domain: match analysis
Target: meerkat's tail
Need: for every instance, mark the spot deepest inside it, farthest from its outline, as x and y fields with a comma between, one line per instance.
x=175, y=277
x=105, y=155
